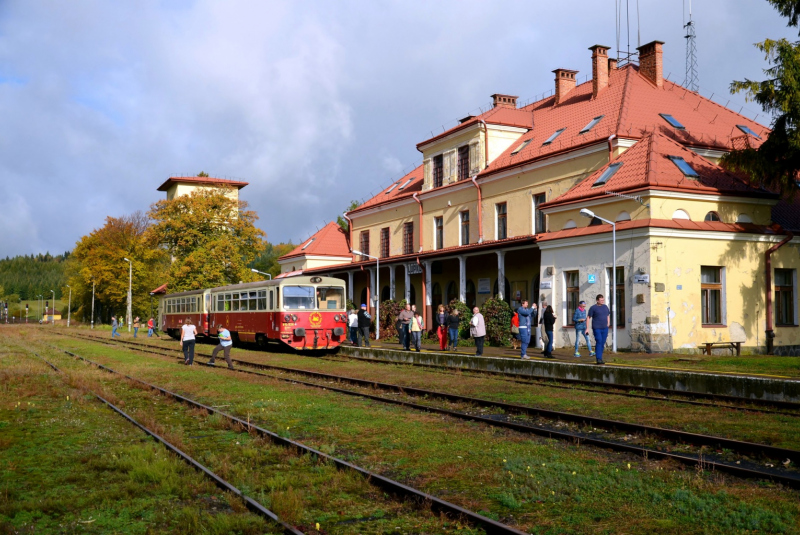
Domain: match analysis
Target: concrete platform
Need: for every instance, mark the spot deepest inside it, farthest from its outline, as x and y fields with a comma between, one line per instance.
x=733, y=385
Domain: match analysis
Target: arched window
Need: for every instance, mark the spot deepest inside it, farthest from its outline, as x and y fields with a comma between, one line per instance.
x=712, y=216
x=595, y=221
x=569, y=224
x=623, y=216
x=451, y=292
x=385, y=293
x=471, y=293
x=680, y=214
x=744, y=218
x=436, y=295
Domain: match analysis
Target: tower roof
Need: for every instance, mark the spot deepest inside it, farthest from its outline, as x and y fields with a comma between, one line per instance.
x=201, y=181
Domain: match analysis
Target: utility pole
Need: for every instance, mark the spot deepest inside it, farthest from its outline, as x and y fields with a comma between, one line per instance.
x=92, y=303
x=69, y=305
x=130, y=283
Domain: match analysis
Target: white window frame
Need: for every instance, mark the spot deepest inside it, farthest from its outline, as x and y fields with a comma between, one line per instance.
x=433, y=241
x=535, y=230
x=460, y=226
x=497, y=219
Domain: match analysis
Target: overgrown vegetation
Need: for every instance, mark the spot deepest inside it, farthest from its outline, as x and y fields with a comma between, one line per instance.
x=26, y=276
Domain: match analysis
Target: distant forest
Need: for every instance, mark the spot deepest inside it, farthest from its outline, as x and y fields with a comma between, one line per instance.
x=29, y=276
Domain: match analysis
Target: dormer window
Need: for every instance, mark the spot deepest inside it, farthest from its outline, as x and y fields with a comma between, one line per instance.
x=388, y=191
x=746, y=129
x=684, y=166
x=553, y=137
x=672, y=121
x=307, y=244
x=406, y=184
x=607, y=174
x=591, y=124
x=522, y=146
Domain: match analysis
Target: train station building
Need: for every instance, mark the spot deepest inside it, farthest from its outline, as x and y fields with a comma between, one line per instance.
x=517, y=202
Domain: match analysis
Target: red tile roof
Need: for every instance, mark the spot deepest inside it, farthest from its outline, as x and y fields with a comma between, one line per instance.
x=630, y=107
x=679, y=224
x=500, y=115
x=160, y=290
x=393, y=192
x=646, y=165
x=330, y=240
x=201, y=180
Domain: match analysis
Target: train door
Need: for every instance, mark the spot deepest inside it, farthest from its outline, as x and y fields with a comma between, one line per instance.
x=206, y=311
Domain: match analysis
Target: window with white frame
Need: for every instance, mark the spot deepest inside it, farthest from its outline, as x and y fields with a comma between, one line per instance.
x=539, y=219
x=501, y=212
x=464, y=218
x=438, y=232
x=572, y=294
x=619, y=294
x=712, y=294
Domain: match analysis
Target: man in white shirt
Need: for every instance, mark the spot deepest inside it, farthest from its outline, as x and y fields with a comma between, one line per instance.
x=225, y=344
x=352, y=321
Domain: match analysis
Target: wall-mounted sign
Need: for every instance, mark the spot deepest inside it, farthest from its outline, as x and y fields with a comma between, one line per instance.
x=546, y=285
x=484, y=286
x=641, y=279
x=592, y=279
x=680, y=287
x=414, y=269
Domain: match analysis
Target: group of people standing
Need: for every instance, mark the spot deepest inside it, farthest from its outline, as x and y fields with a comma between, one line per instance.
x=137, y=323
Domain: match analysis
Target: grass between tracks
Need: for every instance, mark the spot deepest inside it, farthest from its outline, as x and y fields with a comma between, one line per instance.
x=69, y=465
x=543, y=486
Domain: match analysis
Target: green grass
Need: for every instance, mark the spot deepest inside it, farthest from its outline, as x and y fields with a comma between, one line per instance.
x=472, y=465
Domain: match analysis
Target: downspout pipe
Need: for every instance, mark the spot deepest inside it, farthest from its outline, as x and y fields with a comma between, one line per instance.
x=768, y=289
x=480, y=208
x=419, y=202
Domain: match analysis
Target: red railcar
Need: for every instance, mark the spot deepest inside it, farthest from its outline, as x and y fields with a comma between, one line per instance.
x=301, y=312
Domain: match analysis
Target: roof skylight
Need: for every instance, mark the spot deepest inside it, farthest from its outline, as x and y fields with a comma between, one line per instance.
x=684, y=166
x=607, y=174
x=746, y=129
x=406, y=184
x=591, y=124
x=522, y=146
x=388, y=191
x=554, y=136
x=307, y=244
x=672, y=121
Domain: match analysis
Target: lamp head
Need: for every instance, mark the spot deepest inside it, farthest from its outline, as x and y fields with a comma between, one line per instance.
x=125, y=259
x=585, y=212
x=357, y=252
x=254, y=270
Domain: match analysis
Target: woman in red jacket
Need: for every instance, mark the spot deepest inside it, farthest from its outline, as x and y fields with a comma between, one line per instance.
x=515, y=331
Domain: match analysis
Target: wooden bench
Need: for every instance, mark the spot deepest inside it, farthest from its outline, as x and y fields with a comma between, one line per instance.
x=732, y=345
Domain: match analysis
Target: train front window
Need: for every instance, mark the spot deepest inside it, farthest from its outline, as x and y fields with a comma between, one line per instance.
x=330, y=297
x=298, y=297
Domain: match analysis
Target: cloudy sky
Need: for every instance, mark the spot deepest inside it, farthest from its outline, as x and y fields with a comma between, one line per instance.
x=314, y=103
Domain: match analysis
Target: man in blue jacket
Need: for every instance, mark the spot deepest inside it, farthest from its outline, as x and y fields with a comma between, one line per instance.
x=524, y=314
x=579, y=319
x=598, y=317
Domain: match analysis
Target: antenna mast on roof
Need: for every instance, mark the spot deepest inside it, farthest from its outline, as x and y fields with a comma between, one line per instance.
x=690, y=82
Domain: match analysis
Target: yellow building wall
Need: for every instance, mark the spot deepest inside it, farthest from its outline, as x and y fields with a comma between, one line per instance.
x=664, y=208
x=178, y=189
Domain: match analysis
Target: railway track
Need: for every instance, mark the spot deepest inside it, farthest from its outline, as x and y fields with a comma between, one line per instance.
x=250, y=503
x=579, y=432
x=387, y=485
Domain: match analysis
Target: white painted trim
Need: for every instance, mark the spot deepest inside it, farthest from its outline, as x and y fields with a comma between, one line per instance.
x=707, y=153
x=712, y=197
x=437, y=192
x=476, y=126
x=606, y=199
x=321, y=257
x=663, y=233
x=585, y=151
x=380, y=208
x=504, y=128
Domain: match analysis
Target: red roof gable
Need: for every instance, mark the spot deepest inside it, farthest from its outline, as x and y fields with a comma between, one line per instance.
x=330, y=240
x=393, y=192
x=647, y=165
x=207, y=180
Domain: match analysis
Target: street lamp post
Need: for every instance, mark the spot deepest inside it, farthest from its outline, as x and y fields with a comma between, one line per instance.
x=262, y=273
x=377, y=292
x=54, y=307
x=92, y=304
x=130, y=283
x=612, y=283
x=69, y=304
x=39, y=306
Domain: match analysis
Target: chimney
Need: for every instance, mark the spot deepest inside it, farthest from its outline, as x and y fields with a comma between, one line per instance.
x=504, y=101
x=599, y=68
x=651, y=62
x=565, y=82
x=612, y=64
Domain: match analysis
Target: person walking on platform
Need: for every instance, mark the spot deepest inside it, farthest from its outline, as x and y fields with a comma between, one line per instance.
x=188, y=333
x=114, y=327
x=548, y=321
x=597, y=320
x=150, y=325
x=225, y=344
x=453, y=322
x=524, y=314
x=579, y=319
x=441, y=327
x=405, y=318
x=477, y=329
x=417, y=325
x=364, y=321
x=136, y=325
x=352, y=322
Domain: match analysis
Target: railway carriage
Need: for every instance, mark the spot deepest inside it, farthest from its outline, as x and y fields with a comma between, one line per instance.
x=301, y=312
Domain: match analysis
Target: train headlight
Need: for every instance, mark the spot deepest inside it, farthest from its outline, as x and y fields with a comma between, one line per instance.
x=336, y=317
x=287, y=318
x=294, y=317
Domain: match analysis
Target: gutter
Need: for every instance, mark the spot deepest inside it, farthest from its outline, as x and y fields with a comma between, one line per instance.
x=768, y=288
x=480, y=209
x=420, y=220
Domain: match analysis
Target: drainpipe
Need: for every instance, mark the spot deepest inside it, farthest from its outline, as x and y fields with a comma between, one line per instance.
x=480, y=209
x=349, y=231
x=420, y=220
x=610, y=147
x=485, y=144
x=768, y=288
